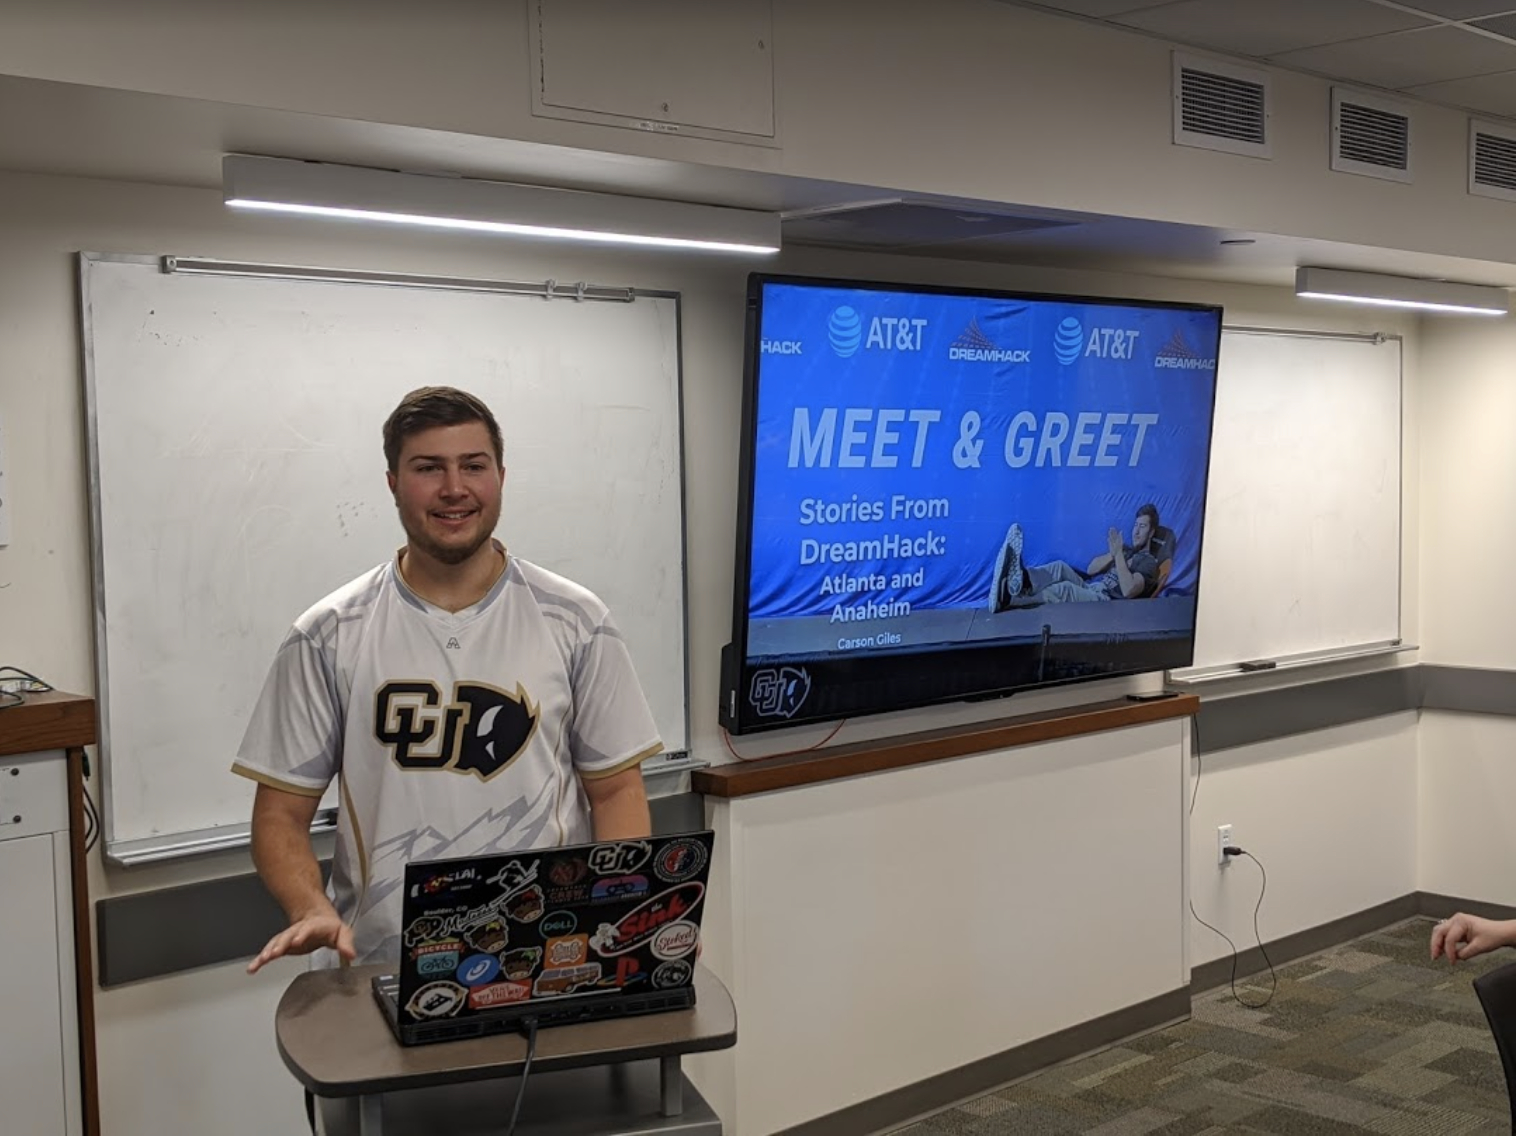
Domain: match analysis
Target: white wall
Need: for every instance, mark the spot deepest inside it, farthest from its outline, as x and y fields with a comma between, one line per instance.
x=220, y=1027
x=1332, y=816
x=899, y=925
x=1467, y=779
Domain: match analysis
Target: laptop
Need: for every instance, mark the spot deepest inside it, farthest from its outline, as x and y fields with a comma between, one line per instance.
x=559, y=935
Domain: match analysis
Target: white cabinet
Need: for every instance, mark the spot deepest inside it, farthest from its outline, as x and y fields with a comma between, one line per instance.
x=39, y=1031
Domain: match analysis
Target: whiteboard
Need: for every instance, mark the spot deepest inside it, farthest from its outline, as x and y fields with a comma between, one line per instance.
x=238, y=477
x=1302, y=522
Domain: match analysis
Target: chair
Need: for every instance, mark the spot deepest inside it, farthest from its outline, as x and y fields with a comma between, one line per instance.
x=1161, y=546
x=1497, y=994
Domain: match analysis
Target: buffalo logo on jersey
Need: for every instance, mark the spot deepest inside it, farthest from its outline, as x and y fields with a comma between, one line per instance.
x=481, y=731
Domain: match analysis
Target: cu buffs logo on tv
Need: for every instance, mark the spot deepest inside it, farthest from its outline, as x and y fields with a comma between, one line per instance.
x=481, y=731
x=777, y=692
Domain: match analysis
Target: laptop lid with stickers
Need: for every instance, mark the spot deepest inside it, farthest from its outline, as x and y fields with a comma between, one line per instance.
x=553, y=928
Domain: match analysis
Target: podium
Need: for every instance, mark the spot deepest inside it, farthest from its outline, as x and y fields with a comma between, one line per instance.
x=611, y=1078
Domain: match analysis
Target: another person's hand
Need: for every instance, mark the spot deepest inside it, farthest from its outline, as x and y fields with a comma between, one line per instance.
x=307, y=935
x=1114, y=543
x=1466, y=936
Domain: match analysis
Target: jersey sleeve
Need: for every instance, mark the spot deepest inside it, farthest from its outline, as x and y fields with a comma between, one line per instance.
x=294, y=736
x=613, y=727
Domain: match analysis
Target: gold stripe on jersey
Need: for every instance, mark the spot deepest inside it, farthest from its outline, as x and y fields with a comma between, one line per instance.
x=636, y=759
x=363, y=865
x=275, y=783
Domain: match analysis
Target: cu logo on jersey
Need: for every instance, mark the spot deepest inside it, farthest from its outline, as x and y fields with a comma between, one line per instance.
x=481, y=731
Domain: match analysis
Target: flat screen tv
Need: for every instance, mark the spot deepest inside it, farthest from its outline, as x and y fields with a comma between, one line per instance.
x=951, y=494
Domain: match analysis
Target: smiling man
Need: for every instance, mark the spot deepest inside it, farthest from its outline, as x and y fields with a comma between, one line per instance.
x=469, y=701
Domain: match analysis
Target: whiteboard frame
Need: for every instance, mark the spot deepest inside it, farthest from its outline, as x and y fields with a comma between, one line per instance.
x=1267, y=666
x=169, y=846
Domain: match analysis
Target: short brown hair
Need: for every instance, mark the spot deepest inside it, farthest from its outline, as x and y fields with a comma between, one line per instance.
x=427, y=407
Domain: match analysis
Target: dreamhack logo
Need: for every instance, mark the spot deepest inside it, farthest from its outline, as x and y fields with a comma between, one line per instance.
x=778, y=692
x=845, y=331
x=973, y=346
x=1178, y=354
x=1068, y=342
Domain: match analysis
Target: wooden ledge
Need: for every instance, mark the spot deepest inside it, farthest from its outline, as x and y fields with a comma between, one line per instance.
x=54, y=720
x=767, y=774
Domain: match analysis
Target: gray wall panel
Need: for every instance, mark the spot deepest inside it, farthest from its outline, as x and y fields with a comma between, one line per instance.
x=153, y=933
x=1469, y=689
x=1246, y=719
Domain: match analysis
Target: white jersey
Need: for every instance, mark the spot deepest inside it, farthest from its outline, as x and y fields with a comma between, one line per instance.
x=452, y=733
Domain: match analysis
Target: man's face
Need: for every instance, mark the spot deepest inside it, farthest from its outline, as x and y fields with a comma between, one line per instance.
x=1142, y=530
x=447, y=490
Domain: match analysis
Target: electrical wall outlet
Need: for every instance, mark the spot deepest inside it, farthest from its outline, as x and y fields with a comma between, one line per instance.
x=1223, y=842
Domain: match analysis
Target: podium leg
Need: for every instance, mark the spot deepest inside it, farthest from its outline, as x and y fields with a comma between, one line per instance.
x=671, y=1086
x=369, y=1123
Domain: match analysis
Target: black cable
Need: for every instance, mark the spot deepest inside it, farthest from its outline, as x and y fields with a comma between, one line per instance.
x=1273, y=978
x=530, y=1025
x=16, y=683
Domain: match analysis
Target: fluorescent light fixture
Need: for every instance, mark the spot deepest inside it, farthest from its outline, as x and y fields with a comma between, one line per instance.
x=1401, y=292
x=322, y=189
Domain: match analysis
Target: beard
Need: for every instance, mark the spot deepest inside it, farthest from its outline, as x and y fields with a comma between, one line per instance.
x=450, y=554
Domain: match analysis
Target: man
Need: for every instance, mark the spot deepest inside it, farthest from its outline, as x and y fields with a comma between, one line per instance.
x=468, y=701
x=1123, y=571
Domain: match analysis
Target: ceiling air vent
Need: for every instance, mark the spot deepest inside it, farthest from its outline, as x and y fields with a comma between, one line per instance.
x=1370, y=136
x=1220, y=107
x=1492, y=160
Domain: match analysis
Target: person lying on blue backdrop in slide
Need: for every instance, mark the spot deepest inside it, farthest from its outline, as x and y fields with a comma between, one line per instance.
x=471, y=702
x=1123, y=571
x=1468, y=936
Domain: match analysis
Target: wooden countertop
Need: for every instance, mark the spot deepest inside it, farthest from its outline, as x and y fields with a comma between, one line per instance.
x=55, y=720
x=764, y=775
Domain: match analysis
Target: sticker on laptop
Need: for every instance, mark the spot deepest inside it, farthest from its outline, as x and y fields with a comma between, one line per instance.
x=675, y=972
x=436, y=1000
x=476, y=970
x=525, y=906
x=566, y=980
x=618, y=887
x=491, y=937
x=629, y=972
x=446, y=881
x=432, y=963
x=514, y=875
x=558, y=923
x=675, y=940
x=498, y=994
x=569, y=950
x=619, y=858
x=638, y=926
x=519, y=964
x=429, y=929
x=679, y=860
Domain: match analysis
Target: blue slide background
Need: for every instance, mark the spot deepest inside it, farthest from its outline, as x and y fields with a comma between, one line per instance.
x=816, y=352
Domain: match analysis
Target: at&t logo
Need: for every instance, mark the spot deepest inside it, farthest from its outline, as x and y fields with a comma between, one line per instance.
x=845, y=331
x=1070, y=342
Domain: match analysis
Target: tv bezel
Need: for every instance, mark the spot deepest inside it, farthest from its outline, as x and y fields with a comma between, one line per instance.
x=902, y=667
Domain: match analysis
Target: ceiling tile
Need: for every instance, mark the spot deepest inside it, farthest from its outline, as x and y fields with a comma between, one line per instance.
x=1245, y=27
x=1486, y=94
x=1457, y=9
x=1100, y=9
x=1407, y=59
x=1500, y=25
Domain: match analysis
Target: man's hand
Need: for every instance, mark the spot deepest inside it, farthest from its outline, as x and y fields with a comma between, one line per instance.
x=1466, y=936
x=1114, y=543
x=307, y=935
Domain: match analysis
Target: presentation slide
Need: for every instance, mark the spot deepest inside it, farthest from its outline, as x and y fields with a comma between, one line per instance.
x=935, y=468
